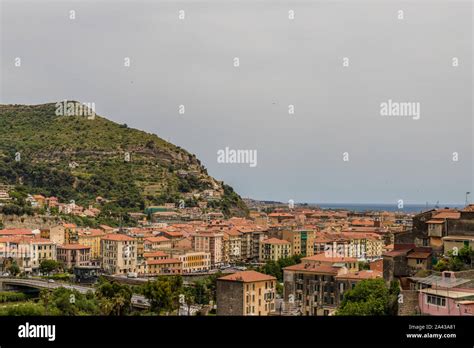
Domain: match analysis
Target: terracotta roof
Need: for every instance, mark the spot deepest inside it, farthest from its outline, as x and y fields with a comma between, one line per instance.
x=69, y=226
x=447, y=215
x=157, y=239
x=365, y=274
x=275, y=241
x=418, y=255
x=162, y=262
x=313, y=268
x=396, y=252
x=91, y=232
x=323, y=258
x=117, y=237
x=247, y=277
x=15, y=231
x=73, y=246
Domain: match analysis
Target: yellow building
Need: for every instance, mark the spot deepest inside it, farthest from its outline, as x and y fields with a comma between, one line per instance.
x=119, y=253
x=91, y=238
x=302, y=241
x=158, y=267
x=195, y=261
x=246, y=293
x=274, y=249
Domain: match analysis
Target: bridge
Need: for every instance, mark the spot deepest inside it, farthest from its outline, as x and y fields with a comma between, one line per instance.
x=138, y=301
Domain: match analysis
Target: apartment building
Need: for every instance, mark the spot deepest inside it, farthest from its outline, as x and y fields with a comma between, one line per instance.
x=247, y=293
x=302, y=241
x=74, y=255
x=209, y=242
x=194, y=261
x=274, y=249
x=91, y=238
x=119, y=253
x=232, y=246
x=316, y=285
x=157, y=267
x=28, y=252
x=65, y=233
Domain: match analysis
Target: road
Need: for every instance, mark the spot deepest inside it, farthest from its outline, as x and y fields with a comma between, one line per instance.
x=137, y=300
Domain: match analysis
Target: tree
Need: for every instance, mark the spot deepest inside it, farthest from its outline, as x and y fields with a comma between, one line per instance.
x=114, y=298
x=47, y=266
x=14, y=269
x=160, y=295
x=456, y=260
x=370, y=297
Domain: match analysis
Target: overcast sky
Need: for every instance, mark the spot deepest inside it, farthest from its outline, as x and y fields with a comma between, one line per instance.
x=283, y=62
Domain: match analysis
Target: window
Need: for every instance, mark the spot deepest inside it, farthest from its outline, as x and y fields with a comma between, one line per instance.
x=436, y=300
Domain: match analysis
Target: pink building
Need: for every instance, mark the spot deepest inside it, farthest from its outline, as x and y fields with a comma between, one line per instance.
x=74, y=255
x=454, y=301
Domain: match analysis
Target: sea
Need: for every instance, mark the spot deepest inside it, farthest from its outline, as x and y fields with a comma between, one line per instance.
x=407, y=208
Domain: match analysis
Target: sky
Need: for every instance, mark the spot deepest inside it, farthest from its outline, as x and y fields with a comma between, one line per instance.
x=334, y=63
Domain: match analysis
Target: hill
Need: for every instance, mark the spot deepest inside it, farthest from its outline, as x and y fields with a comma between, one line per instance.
x=80, y=158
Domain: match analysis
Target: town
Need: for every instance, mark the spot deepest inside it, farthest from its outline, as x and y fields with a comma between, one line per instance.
x=280, y=260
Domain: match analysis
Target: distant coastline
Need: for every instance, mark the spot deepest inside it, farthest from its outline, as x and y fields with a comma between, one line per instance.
x=407, y=208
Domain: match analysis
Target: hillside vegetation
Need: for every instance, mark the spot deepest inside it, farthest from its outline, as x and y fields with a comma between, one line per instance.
x=77, y=158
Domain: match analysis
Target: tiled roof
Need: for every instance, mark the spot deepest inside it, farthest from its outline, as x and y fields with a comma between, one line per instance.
x=275, y=241
x=313, y=268
x=247, y=277
x=117, y=237
x=324, y=258
x=365, y=274
x=73, y=246
x=163, y=261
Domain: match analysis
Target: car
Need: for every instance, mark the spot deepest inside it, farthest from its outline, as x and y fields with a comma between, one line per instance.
x=51, y=281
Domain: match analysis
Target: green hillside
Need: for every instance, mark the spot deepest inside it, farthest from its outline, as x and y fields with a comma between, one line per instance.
x=77, y=158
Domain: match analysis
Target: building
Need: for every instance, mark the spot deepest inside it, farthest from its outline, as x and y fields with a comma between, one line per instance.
x=64, y=234
x=316, y=285
x=156, y=243
x=42, y=249
x=119, y=253
x=157, y=267
x=209, y=242
x=195, y=261
x=26, y=251
x=91, y=238
x=456, y=243
x=274, y=249
x=302, y=241
x=232, y=246
x=453, y=301
x=246, y=293
x=72, y=255
x=405, y=260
